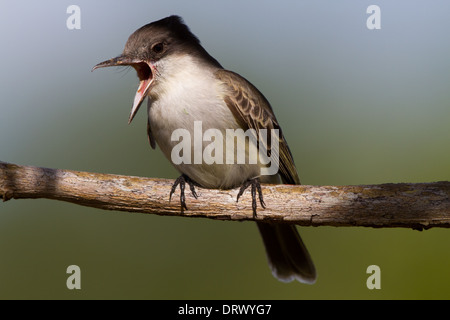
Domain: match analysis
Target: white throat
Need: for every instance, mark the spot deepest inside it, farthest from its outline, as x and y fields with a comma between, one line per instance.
x=187, y=91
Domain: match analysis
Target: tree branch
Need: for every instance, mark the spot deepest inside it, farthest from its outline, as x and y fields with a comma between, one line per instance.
x=411, y=205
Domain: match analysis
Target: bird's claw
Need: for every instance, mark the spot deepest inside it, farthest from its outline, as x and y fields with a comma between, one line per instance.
x=256, y=187
x=182, y=180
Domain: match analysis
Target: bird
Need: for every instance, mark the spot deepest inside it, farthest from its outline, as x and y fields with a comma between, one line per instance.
x=184, y=86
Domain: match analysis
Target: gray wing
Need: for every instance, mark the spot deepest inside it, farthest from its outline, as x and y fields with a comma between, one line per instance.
x=151, y=139
x=252, y=110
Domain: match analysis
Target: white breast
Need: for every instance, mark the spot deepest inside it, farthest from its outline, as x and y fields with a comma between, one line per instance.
x=183, y=94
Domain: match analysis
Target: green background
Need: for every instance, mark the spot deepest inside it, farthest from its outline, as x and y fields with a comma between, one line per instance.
x=357, y=106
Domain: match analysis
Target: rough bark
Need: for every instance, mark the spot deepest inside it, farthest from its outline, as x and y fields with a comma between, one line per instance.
x=411, y=205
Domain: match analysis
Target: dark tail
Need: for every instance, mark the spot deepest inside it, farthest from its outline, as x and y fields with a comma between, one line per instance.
x=287, y=255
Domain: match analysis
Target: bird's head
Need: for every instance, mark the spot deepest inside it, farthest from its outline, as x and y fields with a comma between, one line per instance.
x=147, y=49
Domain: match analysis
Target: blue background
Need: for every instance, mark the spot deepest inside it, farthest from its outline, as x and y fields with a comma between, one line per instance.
x=357, y=106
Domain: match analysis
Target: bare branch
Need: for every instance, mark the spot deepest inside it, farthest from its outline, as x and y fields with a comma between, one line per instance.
x=410, y=205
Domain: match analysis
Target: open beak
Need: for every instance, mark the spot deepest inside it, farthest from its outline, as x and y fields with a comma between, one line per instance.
x=145, y=71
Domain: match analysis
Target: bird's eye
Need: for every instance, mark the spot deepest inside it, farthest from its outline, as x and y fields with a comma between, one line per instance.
x=158, y=48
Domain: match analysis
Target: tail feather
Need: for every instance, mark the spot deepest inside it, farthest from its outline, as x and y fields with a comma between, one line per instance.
x=287, y=255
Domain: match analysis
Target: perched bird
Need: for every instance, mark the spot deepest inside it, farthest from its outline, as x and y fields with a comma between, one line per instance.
x=185, y=85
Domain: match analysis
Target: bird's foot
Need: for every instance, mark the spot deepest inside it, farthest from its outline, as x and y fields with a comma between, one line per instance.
x=256, y=186
x=182, y=180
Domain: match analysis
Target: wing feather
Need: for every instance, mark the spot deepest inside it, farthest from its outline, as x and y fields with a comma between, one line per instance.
x=252, y=111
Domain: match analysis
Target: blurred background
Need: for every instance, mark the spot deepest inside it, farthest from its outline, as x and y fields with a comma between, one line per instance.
x=357, y=106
